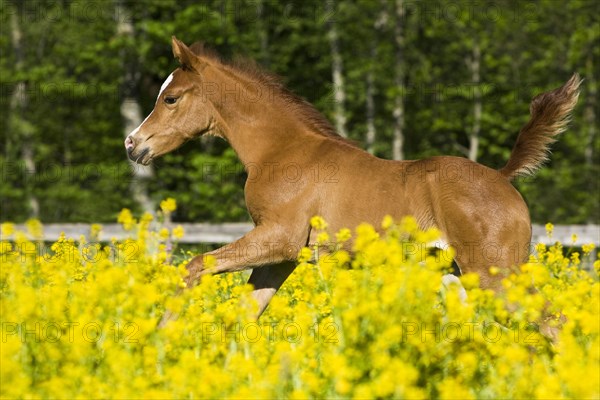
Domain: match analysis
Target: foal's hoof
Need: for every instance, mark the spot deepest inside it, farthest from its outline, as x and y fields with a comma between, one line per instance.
x=167, y=316
x=552, y=333
x=449, y=280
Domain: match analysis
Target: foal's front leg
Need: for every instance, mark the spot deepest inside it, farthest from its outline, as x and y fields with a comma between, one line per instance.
x=263, y=247
x=267, y=281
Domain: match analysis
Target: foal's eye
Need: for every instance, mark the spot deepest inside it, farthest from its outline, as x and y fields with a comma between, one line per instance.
x=170, y=100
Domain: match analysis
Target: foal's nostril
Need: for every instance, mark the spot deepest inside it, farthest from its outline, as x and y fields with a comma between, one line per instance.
x=129, y=144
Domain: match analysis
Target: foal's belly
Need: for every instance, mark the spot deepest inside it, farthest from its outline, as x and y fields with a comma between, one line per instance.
x=369, y=199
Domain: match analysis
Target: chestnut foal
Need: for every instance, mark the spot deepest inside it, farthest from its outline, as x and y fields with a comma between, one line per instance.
x=298, y=167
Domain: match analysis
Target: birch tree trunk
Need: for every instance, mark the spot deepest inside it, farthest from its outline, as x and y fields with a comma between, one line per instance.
x=18, y=113
x=263, y=33
x=589, y=113
x=380, y=22
x=398, y=113
x=339, y=90
x=371, y=133
x=131, y=111
x=475, y=65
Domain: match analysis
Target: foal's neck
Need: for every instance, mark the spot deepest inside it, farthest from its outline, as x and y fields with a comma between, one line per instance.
x=254, y=117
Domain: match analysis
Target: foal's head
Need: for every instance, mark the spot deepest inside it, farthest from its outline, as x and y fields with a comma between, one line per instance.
x=181, y=111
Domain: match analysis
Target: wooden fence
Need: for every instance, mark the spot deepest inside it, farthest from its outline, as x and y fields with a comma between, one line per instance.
x=228, y=232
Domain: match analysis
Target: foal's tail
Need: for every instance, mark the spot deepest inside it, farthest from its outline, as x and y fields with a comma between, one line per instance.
x=550, y=114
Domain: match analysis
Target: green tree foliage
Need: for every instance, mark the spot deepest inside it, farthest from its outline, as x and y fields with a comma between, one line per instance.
x=73, y=66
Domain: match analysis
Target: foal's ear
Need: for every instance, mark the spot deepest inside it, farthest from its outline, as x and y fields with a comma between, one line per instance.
x=186, y=57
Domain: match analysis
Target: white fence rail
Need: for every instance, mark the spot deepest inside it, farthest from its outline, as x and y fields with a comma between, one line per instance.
x=228, y=232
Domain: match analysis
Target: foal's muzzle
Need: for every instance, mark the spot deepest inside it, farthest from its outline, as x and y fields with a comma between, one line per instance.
x=142, y=157
x=129, y=144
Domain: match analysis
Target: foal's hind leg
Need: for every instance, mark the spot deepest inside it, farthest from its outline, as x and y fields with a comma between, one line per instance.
x=506, y=252
x=507, y=255
x=508, y=263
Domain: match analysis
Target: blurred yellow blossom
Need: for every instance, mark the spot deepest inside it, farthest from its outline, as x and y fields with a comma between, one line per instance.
x=318, y=223
x=387, y=222
x=35, y=228
x=549, y=229
x=163, y=234
x=322, y=238
x=305, y=254
x=147, y=217
x=409, y=224
x=588, y=248
x=168, y=205
x=178, y=232
x=95, y=230
x=343, y=235
x=7, y=229
x=126, y=219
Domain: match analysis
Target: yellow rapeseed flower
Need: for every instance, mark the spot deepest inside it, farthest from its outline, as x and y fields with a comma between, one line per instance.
x=409, y=224
x=7, y=229
x=387, y=222
x=470, y=280
x=343, y=235
x=209, y=261
x=575, y=258
x=126, y=219
x=95, y=230
x=322, y=238
x=540, y=248
x=305, y=255
x=588, y=248
x=168, y=205
x=147, y=217
x=35, y=228
x=318, y=223
x=163, y=234
x=549, y=229
x=178, y=232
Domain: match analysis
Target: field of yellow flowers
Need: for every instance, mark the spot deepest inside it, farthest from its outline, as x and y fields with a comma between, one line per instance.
x=79, y=321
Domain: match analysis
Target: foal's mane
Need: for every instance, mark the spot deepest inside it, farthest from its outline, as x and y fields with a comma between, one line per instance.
x=249, y=69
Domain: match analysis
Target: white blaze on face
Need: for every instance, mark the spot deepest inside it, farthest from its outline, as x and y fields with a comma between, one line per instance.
x=133, y=132
x=165, y=84
x=162, y=89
